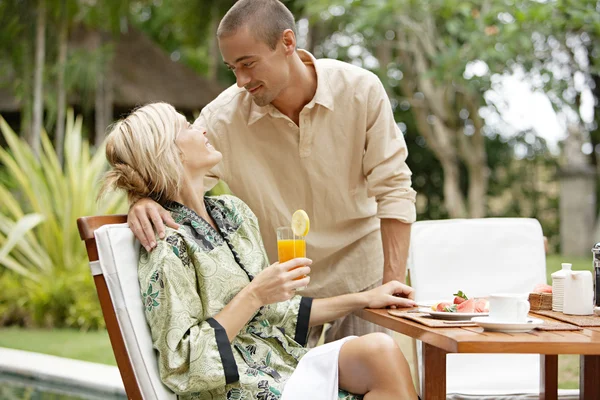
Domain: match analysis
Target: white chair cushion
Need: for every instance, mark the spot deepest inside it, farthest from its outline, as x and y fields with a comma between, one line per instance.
x=118, y=253
x=480, y=257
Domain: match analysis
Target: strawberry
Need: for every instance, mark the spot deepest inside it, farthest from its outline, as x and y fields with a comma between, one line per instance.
x=482, y=306
x=467, y=306
x=460, y=297
x=444, y=306
x=542, y=288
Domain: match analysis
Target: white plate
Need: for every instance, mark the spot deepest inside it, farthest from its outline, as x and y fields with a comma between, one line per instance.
x=508, y=327
x=451, y=316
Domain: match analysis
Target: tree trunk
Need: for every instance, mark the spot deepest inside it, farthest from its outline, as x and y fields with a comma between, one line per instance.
x=478, y=183
x=104, y=96
x=99, y=108
x=60, y=83
x=595, y=139
x=38, y=77
x=214, y=57
x=27, y=96
x=314, y=36
x=383, y=53
x=472, y=152
x=109, y=98
x=453, y=197
x=103, y=104
x=440, y=137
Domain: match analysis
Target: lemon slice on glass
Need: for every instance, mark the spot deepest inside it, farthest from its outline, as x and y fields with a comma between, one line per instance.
x=300, y=223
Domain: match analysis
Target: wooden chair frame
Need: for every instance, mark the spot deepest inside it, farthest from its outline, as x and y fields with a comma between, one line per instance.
x=87, y=226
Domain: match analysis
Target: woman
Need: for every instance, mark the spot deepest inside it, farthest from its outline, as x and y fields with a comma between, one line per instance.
x=227, y=325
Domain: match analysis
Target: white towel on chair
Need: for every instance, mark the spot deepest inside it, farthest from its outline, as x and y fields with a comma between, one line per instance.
x=317, y=374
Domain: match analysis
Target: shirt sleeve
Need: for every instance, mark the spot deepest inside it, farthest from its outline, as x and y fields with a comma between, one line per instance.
x=384, y=162
x=194, y=354
x=204, y=120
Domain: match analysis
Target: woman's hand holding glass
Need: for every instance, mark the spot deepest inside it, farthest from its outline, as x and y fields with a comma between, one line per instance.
x=279, y=282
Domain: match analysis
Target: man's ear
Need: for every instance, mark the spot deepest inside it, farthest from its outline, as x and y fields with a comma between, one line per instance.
x=289, y=41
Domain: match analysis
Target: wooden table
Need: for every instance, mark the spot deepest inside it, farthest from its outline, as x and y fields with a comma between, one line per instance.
x=437, y=342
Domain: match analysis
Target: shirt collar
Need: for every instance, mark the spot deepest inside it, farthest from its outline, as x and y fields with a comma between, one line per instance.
x=323, y=96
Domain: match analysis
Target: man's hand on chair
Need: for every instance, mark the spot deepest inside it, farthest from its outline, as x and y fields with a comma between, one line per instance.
x=146, y=216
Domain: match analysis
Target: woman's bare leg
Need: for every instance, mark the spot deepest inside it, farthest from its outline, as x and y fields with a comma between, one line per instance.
x=374, y=365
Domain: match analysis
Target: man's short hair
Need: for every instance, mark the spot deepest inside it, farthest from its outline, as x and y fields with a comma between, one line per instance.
x=266, y=19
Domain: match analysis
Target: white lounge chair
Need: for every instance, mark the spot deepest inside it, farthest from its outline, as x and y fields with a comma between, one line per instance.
x=480, y=257
x=113, y=253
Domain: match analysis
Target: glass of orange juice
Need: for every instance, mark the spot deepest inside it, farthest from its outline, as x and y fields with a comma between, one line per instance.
x=289, y=245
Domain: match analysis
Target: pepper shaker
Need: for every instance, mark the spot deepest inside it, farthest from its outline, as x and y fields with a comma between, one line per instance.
x=596, y=265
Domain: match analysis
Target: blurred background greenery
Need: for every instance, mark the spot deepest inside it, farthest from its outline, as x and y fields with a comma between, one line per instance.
x=68, y=68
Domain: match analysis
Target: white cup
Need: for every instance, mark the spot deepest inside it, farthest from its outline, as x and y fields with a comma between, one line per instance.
x=509, y=307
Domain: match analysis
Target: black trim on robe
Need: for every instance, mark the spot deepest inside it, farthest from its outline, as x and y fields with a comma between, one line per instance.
x=225, y=351
x=303, y=318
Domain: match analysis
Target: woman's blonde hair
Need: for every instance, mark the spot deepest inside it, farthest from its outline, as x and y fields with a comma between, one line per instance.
x=144, y=159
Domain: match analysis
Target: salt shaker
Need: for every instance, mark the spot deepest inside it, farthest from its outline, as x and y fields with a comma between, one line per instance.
x=558, y=286
x=596, y=264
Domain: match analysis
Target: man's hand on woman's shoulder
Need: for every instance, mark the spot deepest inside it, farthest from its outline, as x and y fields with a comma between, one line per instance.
x=147, y=216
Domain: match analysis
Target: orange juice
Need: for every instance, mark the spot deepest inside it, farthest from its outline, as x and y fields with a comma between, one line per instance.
x=290, y=248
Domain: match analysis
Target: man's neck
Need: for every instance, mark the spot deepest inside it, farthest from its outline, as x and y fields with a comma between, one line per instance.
x=302, y=89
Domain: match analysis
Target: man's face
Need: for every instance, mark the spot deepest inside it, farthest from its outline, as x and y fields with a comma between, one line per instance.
x=263, y=72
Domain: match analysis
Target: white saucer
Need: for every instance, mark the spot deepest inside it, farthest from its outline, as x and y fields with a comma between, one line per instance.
x=451, y=316
x=508, y=327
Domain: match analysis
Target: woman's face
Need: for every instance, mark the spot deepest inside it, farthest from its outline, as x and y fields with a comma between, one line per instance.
x=197, y=154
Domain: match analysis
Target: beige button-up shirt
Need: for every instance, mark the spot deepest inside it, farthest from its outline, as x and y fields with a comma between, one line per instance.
x=345, y=165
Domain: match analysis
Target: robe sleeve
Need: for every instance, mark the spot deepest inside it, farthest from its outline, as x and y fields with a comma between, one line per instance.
x=292, y=317
x=194, y=353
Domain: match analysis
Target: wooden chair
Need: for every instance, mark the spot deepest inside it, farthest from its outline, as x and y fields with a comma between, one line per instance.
x=113, y=254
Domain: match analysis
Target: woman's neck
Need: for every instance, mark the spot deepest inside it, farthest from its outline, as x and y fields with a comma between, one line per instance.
x=191, y=195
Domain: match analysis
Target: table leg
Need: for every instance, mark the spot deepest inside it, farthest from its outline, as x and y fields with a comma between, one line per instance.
x=548, y=377
x=589, y=373
x=434, y=373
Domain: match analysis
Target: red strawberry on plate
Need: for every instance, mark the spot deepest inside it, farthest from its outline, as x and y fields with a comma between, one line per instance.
x=444, y=306
x=482, y=306
x=460, y=297
x=467, y=306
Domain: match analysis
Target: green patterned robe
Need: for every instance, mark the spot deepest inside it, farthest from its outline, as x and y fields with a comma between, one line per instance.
x=188, y=278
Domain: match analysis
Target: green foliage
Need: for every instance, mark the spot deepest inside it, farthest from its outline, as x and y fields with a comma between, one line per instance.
x=523, y=182
x=553, y=264
x=40, y=246
x=219, y=189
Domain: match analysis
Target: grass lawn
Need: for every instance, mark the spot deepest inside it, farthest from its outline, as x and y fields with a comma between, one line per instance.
x=553, y=262
x=95, y=346
x=86, y=346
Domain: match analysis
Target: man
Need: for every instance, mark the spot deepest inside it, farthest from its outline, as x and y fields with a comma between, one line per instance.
x=318, y=135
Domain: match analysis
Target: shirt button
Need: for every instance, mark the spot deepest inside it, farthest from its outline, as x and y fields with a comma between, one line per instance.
x=290, y=125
